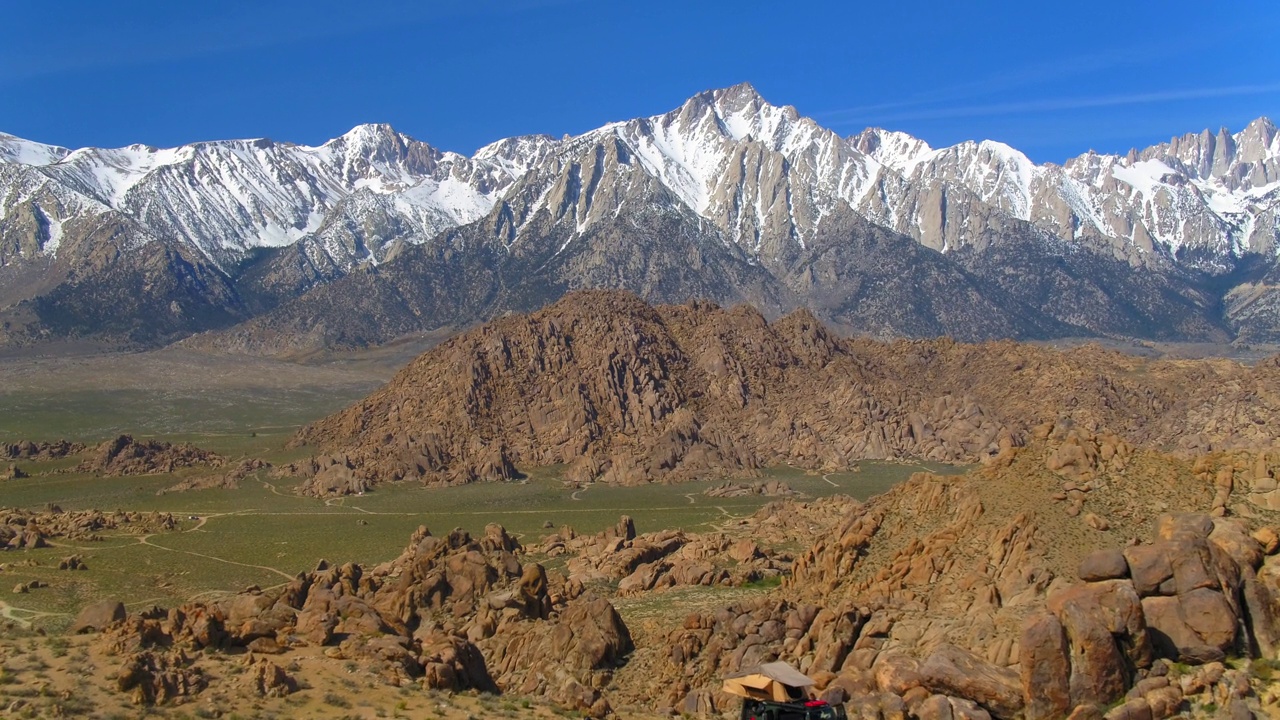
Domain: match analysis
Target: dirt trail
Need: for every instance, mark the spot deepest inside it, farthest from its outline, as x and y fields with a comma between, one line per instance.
x=146, y=540
x=9, y=612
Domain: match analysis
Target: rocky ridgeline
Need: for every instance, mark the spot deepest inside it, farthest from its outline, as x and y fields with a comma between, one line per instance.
x=453, y=612
x=980, y=596
x=229, y=481
x=772, y=488
x=34, y=451
x=30, y=529
x=126, y=456
x=28, y=450
x=622, y=392
x=660, y=560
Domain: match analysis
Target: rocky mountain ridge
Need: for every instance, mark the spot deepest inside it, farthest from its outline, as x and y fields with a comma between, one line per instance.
x=621, y=391
x=782, y=209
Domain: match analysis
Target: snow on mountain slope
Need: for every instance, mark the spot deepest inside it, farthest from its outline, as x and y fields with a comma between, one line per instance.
x=764, y=175
x=228, y=197
x=1211, y=196
x=16, y=150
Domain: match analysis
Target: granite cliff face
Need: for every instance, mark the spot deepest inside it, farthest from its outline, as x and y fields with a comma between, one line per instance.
x=624, y=392
x=727, y=198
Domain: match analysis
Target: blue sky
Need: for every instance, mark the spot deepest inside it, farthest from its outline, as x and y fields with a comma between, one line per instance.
x=1053, y=79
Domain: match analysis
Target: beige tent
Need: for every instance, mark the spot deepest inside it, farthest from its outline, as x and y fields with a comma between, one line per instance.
x=776, y=681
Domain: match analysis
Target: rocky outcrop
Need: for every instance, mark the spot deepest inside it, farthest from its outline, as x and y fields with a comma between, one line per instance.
x=28, y=450
x=455, y=611
x=622, y=392
x=229, y=481
x=266, y=679
x=660, y=560
x=771, y=488
x=981, y=596
x=21, y=529
x=155, y=677
x=126, y=456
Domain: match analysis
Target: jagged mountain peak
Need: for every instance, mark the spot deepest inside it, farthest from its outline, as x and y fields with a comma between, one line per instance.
x=372, y=136
x=725, y=168
x=737, y=113
x=517, y=155
x=891, y=148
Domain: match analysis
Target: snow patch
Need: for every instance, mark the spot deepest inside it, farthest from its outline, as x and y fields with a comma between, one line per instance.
x=1145, y=176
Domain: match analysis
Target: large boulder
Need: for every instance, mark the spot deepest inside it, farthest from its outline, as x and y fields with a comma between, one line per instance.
x=958, y=672
x=98, y=616
x=450, y=662
x=1103, y=565
x=1107, y=635
x=1045, y=665
x=1198, y=626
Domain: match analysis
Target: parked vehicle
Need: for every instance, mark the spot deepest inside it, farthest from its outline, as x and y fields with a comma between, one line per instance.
x=808, y=710
x=778, y=691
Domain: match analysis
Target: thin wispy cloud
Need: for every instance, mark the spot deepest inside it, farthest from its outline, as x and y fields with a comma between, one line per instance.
x=1029, y=75
x=1028, y=107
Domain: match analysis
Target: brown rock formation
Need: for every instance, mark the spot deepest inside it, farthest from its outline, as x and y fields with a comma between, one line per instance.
x=665, y=559
x=229, y=481
x=457, y=611
x=126, y=456
x=957, y=595
x=156, y=677
x=28, y=450
x=98, y=616
x=624, y=392
x=29, y=529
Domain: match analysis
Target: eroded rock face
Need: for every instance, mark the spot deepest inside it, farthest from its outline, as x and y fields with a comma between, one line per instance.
x=266, y=679
x=957, y=672
x=98, y=616
x=1045, y=666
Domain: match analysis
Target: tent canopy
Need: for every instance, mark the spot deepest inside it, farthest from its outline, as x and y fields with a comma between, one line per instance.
x=776, y=681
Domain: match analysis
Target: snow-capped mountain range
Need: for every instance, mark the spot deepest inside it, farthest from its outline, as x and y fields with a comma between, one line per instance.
x=760, y=178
